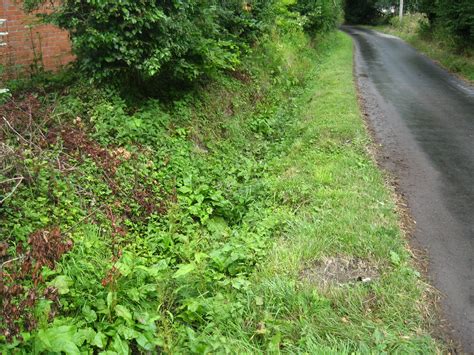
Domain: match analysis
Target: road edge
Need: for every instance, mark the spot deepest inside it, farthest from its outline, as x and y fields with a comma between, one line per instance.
x=439, y=327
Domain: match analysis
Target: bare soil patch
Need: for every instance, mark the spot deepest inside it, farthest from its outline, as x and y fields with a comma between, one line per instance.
x=338, y=271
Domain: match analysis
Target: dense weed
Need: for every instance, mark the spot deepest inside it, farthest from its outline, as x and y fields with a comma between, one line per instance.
x=169, y=207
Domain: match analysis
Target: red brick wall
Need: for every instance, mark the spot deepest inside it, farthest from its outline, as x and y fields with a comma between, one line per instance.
x=27, y=37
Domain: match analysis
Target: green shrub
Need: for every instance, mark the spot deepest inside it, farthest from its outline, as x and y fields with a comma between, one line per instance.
x=174, y=40
x=320, y=15
x=458, y=18
x=143, y=39
x=451, y=21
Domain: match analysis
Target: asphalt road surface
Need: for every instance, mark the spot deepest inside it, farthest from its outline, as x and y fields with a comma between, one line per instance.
x=423, y=117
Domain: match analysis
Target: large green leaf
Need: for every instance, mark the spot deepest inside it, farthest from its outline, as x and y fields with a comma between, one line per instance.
x=124, y=313
x=57, y=339
x=62, y=283
x=183, y=270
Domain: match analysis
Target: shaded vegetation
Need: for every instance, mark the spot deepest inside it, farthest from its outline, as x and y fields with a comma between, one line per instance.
x=361, y=11
x=451, y=19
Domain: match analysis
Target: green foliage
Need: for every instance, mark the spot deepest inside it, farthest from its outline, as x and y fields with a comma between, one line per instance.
x=449, y=21
x=174, y=39
x=429, y=7
x=408, y=5
x=191, y=219
x=457, y=17
x=4, y=95
x=375, y=12
x=360, y=11
x=319, y=15
x=169, y=218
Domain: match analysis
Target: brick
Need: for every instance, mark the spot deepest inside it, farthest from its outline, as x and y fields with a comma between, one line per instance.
x=18, y=55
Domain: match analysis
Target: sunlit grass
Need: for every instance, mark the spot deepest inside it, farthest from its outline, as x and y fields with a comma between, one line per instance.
x=337, y=205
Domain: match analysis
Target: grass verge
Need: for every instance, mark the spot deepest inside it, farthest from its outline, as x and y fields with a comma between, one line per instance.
x=342, y=219
x=247, y=217
x=440, y=51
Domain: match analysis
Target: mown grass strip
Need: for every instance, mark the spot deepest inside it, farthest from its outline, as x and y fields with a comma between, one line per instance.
x=342, y=220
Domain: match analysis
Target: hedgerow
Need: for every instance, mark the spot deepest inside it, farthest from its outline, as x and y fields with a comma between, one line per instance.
x=457, y=17
x=176, y=39
x=449, y=21
x=320, y=15
x=173, y=40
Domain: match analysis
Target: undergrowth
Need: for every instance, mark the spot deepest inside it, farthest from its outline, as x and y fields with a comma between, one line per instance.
x=184, y=226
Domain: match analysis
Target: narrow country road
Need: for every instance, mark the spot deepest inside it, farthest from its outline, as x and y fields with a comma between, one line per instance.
x=423, y=117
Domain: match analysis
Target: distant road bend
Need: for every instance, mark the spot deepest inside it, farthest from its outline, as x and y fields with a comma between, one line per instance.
x=424, y=119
